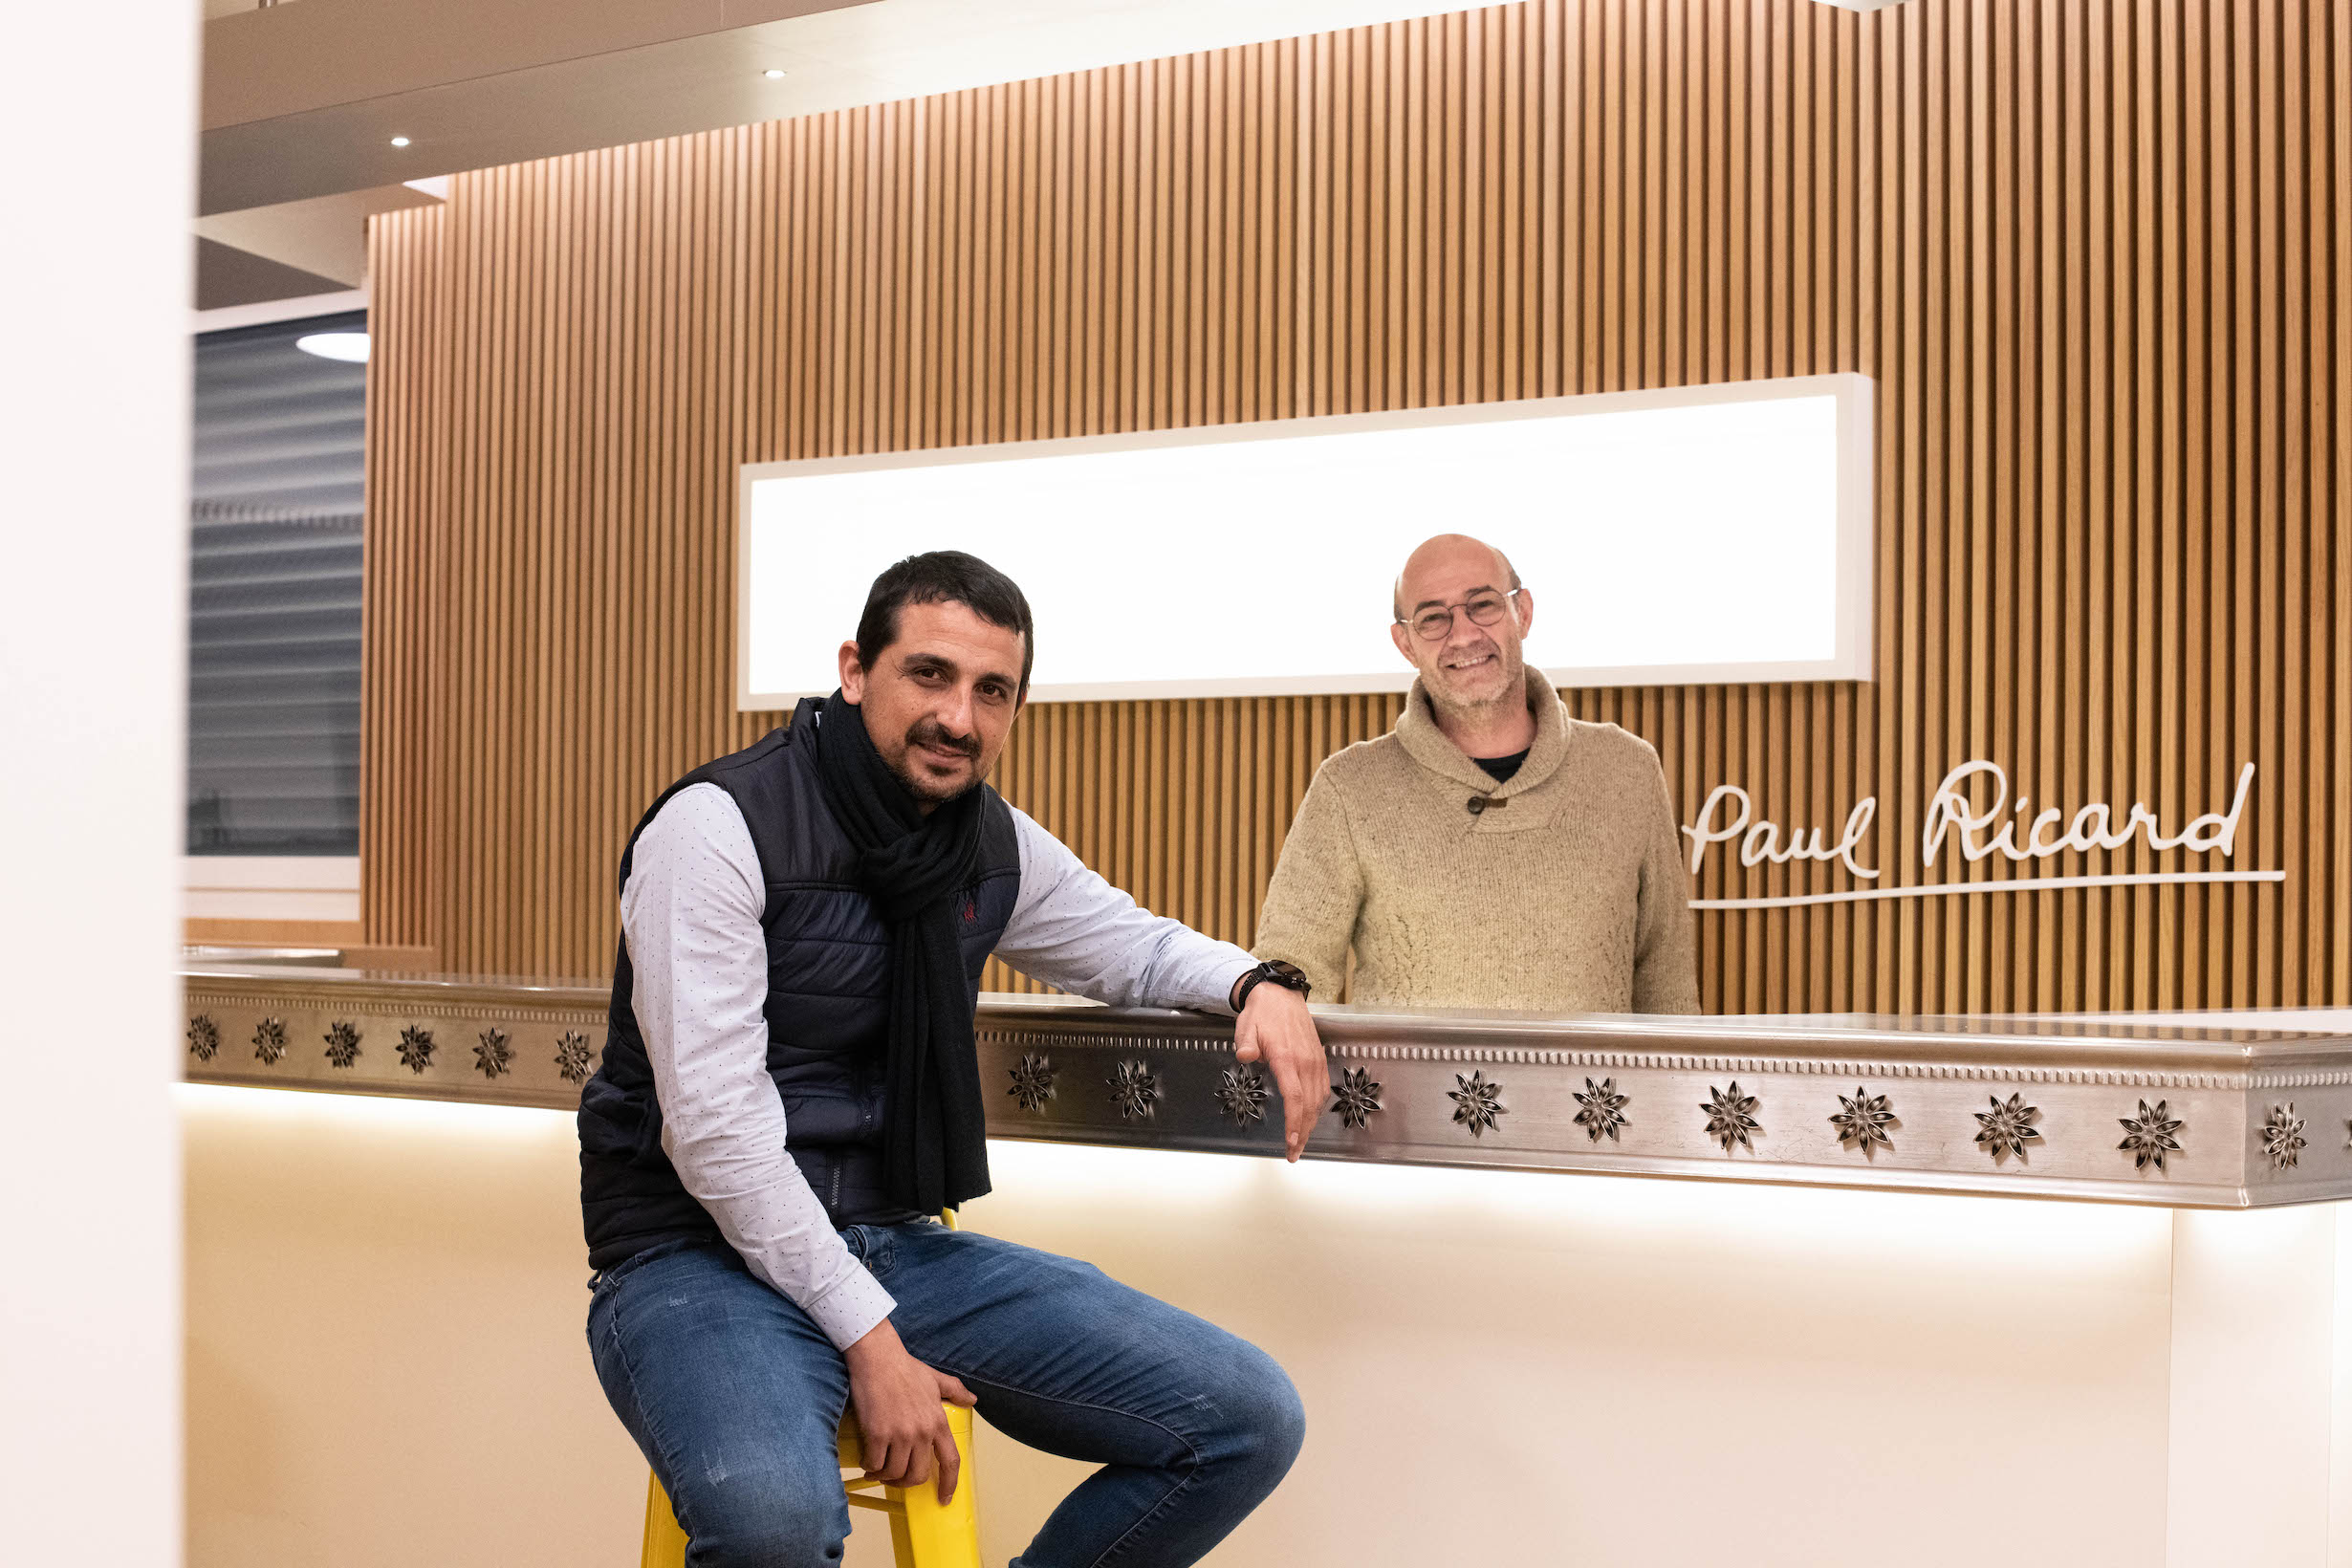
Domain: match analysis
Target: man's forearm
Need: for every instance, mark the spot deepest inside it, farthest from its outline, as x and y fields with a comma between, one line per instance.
x=1075, y=930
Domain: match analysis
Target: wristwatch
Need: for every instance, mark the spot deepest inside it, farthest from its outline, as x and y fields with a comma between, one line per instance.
x=1289, y=976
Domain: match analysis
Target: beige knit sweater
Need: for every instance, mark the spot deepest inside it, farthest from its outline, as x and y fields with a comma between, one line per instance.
x=1565, y=893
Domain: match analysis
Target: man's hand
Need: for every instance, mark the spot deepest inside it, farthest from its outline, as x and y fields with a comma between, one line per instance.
x=1276, y=1028
x=897, y=1399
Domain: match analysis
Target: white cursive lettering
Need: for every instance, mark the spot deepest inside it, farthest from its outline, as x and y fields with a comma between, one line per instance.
x=1706, y=833
x=2016, y=833
x=1761, y=842
x=2093, y=827
x=1948, y=808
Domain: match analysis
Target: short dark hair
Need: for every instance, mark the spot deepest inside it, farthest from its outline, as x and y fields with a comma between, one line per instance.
x=943, y=577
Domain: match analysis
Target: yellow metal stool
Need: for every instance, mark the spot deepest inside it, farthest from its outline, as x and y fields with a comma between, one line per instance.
x=923, y=1531
x=924, y=1534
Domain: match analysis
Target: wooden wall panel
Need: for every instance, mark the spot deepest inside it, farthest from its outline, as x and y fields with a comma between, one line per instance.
x=2092, y=252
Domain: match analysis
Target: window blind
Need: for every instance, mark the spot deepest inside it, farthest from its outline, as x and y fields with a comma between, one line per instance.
x=274, y=622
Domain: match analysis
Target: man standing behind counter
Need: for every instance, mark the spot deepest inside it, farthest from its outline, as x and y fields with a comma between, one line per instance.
x=1491, y=851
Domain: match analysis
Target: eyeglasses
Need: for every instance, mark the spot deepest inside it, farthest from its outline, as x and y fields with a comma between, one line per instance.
x=1485, y=608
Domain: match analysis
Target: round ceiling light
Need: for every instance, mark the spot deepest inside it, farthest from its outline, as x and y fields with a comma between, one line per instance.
x=772, y=74
x=350, y=347
x=399, y=142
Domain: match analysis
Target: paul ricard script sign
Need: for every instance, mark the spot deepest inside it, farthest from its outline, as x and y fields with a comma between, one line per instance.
x=1958, y=829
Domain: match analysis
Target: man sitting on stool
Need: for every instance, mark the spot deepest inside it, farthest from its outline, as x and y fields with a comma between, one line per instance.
x=789, y=1093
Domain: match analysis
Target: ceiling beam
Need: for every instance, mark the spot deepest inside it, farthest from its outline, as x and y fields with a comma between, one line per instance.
x=304, y=100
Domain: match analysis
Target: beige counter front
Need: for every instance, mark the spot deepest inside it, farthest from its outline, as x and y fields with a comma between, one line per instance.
x=1501, y=1365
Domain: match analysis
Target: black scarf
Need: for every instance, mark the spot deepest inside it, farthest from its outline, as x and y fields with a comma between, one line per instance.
x=912, y=866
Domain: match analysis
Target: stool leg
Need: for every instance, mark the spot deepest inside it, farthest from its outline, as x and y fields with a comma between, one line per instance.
x=902, y=1541
x=666, y=1543
x=923, y=1533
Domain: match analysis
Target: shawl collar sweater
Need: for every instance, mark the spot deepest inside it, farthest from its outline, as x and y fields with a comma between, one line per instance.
x=1559, y=890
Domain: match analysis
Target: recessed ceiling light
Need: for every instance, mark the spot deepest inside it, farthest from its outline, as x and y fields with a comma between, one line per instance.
x=350, y=347
x=772, y=74
x=399, y=142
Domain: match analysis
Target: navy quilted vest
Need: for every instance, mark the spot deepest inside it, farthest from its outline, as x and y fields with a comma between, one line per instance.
x=828, y=1018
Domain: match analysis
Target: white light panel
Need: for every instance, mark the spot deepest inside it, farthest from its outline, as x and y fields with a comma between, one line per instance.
x=1715, y=533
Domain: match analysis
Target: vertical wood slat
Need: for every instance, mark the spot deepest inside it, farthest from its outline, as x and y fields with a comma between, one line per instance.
x=2092, y=256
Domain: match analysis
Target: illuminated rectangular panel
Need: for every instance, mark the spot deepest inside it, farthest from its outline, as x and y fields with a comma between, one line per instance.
x=1699, y=534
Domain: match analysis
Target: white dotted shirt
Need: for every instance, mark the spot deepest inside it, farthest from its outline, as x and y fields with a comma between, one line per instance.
x=691, y=916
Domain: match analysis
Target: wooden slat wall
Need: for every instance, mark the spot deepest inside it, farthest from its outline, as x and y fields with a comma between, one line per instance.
x=2092, y=251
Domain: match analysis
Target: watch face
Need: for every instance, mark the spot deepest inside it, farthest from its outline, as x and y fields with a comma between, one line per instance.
x=1288, y=974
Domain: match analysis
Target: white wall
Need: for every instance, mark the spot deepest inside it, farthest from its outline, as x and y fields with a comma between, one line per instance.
x=1514, y=1368
x=2261, y=1405
x=98, y=117
x=386, y=1363
x=386, y=1356
x=291, y=887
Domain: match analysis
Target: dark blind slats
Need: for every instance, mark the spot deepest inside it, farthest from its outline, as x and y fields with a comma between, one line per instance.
x=273, y=627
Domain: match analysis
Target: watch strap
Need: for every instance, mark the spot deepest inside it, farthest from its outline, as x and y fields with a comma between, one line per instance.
x=1264, y=972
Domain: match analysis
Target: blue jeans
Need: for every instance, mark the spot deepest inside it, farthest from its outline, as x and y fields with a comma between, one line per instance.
x=733, y=1394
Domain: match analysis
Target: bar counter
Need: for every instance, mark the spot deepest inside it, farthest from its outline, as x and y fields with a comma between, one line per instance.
x=2185, y=1114
x=1826, y=1339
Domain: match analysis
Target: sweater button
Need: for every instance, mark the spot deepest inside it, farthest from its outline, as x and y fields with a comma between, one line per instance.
x=1477, y=804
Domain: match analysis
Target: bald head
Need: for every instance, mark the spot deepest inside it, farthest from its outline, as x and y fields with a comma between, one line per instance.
x=1447, y=557
x=1460, y=618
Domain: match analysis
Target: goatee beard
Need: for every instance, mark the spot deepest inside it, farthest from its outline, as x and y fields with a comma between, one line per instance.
x=1513, y=690
x=923, y=789
x=929, y=732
